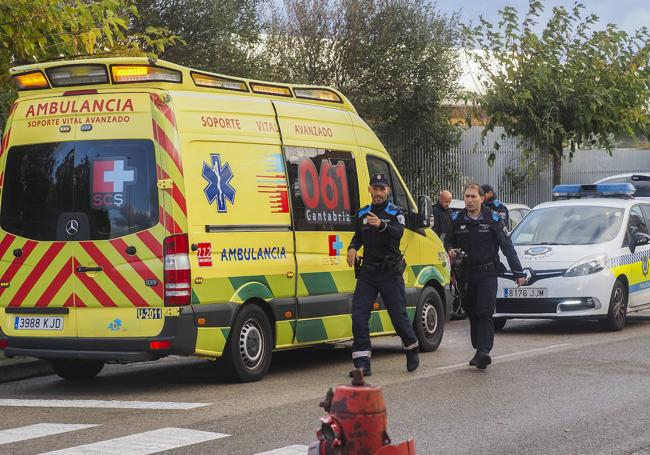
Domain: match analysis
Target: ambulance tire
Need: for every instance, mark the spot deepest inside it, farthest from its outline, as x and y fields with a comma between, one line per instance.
x=617, y=313
x=429, y=320
x=247, y=356
x=77, y=370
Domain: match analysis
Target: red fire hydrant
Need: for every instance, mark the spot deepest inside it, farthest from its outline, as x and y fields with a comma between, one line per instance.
x=356, y=422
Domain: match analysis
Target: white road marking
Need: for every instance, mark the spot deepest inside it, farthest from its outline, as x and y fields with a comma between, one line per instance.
x=289, y=450
x=143, y=443
x=113, y=404
x=505, y=356
x=38, y=431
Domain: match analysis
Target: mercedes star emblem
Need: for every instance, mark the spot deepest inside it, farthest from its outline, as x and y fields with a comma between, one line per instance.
x=72, y=227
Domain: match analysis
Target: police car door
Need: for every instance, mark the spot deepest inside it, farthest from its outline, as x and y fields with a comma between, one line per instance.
x=637, y=274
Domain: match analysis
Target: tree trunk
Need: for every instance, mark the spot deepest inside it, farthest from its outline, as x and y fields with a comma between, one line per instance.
x=557, y=151
x=557, y=168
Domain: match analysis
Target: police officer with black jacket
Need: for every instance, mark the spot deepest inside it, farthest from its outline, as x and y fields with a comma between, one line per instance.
x=479, y=232
x=379, y=228
x=490, y=200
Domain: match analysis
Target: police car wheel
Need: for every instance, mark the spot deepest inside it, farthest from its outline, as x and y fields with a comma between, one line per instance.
x=77, y=370
x=247, y=356
x=429, y=320
x=499, y=323
x=617, y=314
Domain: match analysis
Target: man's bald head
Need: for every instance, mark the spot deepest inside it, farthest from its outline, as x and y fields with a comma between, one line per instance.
x=444, y=199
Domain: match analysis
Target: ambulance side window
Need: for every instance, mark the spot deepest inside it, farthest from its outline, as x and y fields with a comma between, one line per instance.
x=398, y=194
x=636, y=223
x=324, y=188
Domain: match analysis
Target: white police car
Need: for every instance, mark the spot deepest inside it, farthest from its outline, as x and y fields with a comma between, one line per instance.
x=585, y=256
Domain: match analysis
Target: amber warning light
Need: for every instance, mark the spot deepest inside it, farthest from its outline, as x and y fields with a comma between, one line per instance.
x=31, y=81
x=124, y=74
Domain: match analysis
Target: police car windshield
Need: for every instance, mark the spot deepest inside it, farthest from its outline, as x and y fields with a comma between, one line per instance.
x=569, y=225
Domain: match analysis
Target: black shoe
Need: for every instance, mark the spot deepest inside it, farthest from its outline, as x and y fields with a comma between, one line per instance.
x=483, y=361
x=474, y=360
x=412, y=359
x=366, y=372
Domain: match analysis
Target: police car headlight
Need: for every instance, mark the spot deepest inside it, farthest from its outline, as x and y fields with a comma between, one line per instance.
x=587, y=266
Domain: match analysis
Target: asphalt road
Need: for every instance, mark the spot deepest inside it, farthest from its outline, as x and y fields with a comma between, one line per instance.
x=553, y=388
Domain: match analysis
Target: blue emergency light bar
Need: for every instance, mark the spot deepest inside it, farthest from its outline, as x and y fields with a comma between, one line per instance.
x=621, y=190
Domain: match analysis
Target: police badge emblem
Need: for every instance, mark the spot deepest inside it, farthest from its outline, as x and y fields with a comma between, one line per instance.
x=644, y=265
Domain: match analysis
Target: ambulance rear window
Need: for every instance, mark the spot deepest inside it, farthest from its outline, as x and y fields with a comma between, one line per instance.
x=108, y=187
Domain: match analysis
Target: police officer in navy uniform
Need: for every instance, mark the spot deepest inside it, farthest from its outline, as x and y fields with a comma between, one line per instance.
x=379, y=228
x=490, y=200
x=479, y=232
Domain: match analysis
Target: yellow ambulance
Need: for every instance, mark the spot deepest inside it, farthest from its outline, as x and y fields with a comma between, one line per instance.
x=148, y=209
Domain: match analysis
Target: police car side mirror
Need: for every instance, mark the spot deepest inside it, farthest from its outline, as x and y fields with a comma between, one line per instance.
x=639, y=239
x=424, y=211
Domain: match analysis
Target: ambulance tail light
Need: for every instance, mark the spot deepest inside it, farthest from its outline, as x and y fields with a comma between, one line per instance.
x=125, y=74
x=178, y=287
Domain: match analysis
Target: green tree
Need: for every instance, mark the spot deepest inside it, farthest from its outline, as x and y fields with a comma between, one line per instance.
x=220, y=36
x=564, y=87
x=394, y=59
x=32, y=31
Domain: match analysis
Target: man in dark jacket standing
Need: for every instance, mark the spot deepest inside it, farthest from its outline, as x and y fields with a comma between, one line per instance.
x=479, y=232
x=490, y=200
x=442, y=214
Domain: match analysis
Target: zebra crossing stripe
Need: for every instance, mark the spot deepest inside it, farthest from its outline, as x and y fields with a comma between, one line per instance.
x=38, y=430
x=143, y=443
x=113, y=404
x=289, y=450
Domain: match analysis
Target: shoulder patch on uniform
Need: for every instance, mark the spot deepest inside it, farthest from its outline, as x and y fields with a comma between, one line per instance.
x=363, y=210
x=454, y=215
x=392, y=209
x=497, y=203
x=496, y=217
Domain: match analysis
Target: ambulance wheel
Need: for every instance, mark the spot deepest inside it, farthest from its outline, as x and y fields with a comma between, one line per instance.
x=77, y=370
x=499, y=323
x=247, y=356
x=429, y=320
x=617, y=314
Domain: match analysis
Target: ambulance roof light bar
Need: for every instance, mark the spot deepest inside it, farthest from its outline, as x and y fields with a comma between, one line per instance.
x=127, y=74
x=619, y=190
x=33, y=80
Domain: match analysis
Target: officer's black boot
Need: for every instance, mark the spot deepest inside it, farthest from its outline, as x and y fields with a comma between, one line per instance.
x=364, y=364
x=473, y=361
x=412, y=359
x=483, y=360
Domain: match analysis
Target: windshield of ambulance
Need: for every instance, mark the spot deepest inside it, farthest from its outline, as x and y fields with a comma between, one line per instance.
x=569, y=225
x=108, y=185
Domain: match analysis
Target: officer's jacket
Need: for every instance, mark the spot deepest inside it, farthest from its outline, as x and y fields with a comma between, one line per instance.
x=481, y=239
x=497, y=206
x=378, y=242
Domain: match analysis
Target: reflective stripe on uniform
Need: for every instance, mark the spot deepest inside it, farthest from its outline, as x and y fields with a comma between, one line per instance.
x=411, y=346
x=359, y=354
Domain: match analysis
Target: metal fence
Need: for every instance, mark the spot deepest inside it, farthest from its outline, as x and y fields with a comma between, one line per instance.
x=427, y=170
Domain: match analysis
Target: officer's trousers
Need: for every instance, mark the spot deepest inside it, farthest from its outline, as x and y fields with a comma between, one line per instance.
x=479, y=304
x=391, y=288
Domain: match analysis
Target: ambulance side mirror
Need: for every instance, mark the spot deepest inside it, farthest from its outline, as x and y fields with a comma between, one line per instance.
x=639, y=239
x=424, y=211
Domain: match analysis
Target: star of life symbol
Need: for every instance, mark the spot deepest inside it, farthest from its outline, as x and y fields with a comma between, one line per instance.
x=219, y=187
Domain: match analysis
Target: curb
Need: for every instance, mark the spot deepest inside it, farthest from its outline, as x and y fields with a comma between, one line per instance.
x=24, y=369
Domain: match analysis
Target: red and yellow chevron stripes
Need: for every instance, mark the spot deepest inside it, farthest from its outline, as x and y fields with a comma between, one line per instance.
x=173, y=210
x=45, y=274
